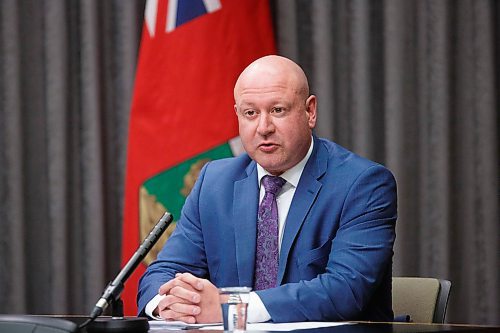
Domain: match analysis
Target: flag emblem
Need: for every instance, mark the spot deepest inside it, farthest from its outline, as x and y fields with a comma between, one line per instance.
x=168, y=190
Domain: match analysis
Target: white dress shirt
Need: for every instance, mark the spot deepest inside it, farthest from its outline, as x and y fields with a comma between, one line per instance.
x=257, y=312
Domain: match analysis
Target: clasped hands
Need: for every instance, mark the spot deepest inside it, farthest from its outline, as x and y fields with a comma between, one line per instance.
x=189, y=299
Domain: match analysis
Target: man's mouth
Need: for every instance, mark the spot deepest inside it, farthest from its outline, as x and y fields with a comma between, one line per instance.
x=268, y=147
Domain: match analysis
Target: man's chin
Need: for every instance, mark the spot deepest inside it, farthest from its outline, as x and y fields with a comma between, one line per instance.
x=273, y=169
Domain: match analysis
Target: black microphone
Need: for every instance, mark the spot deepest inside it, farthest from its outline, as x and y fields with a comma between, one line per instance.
x=115, y=288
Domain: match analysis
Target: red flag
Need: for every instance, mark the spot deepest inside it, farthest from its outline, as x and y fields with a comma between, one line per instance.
x=182, y=111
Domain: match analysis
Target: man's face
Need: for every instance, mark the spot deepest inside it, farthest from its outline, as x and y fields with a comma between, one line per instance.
x=275, y=121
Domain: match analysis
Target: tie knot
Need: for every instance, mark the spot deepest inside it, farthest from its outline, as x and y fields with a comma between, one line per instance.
x=272, y=184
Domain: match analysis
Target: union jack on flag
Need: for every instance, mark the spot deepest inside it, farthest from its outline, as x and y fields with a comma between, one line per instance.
x=178, y=12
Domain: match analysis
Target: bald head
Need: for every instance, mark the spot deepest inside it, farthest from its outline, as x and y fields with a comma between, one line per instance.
x=275, y=113
x=273, y=68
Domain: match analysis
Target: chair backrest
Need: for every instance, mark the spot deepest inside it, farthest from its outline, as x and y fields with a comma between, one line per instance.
x=424, y=299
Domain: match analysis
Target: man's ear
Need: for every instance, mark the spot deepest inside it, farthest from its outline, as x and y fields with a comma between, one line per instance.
x=311, y=108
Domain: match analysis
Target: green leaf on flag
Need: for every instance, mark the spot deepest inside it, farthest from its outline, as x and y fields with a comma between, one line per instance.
x=167, y=191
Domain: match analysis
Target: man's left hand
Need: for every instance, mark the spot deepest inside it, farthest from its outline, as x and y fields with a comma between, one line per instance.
x=209, y=298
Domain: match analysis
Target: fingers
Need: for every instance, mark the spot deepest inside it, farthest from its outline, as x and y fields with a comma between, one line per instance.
x=193, y=281
x=171, y=315
x=175, y=282
x=185, y=280
x=166, y=287
x=181, y=292
x=178, y=307
x=174, y=308
x=181, y=296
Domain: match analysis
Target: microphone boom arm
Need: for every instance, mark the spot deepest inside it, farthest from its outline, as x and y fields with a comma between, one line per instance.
x=115, y=288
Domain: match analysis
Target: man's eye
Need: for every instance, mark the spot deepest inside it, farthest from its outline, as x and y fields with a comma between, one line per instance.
x=249, y=113
x=277, y=110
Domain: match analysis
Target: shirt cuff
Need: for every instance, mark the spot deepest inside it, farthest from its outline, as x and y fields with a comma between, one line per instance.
x=256, y=312
x=152, y=305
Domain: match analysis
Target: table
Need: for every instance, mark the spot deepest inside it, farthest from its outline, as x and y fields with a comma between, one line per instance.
x=373, y=327
x=353, y=327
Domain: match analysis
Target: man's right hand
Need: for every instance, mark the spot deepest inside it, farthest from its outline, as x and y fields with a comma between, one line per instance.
x=189, y=299
x=180, y=302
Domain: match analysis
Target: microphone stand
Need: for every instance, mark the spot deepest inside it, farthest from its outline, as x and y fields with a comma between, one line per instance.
x=111, y=296
x=117, y=308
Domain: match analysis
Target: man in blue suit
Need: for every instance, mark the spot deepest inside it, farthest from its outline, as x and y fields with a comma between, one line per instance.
x=336, y=214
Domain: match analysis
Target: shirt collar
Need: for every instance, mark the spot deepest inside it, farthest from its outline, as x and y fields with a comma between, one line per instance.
x=291, y=175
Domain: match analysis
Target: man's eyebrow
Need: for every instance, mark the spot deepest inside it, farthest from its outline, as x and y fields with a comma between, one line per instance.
x=246, y=104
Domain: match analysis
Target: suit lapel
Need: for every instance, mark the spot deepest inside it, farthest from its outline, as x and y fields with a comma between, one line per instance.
x=303, y=199
x=245, y=232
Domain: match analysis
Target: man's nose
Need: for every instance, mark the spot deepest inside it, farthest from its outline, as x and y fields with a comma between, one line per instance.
x=266, y=125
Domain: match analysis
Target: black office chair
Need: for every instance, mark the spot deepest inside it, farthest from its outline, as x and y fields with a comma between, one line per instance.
x=424, y=300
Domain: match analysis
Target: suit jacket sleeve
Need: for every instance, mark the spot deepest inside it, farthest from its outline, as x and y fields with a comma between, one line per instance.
x=360, y=257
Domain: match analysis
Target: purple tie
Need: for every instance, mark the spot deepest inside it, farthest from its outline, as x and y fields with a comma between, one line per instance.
x=266, y=255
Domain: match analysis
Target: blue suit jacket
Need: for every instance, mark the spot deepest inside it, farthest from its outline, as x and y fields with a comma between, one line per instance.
x=336, y=254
